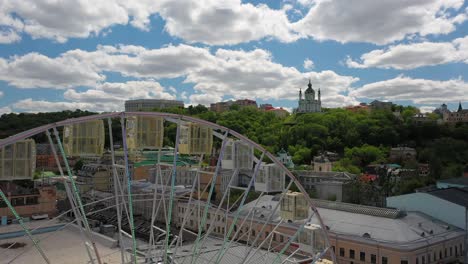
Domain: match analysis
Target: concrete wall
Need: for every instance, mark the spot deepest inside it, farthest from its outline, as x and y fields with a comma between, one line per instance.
x=325, y=190
x=448, y=212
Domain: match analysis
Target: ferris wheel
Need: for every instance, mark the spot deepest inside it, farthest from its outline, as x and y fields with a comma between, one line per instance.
x=174, y=189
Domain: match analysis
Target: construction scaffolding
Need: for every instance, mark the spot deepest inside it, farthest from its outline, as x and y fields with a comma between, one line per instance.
x=195, y=139
x=294, y=206
x=84, y=139
x=18, y=160
x=145, y=132
x=270, y=179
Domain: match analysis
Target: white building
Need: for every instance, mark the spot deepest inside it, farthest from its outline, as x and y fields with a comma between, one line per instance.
x=309, y=104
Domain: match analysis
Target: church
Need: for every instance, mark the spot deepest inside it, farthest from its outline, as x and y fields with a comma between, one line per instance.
x=309, y=104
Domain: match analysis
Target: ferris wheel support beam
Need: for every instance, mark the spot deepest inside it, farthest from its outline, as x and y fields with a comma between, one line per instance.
x=129, y=188
x=116, y=192
x=248, y=255
x=77, y=195
x=69, y=194
x=208, y=200
x=236, y=216
x=25, y=228
x=153, y=209
x=171, y=198
x=168, y=116
x=189, y=209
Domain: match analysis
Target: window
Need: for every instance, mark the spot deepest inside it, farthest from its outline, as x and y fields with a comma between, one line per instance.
x=423, y=260
x=404, y=262
x=451, y=251
x=435, y=256
x=362, y=256
x=351, y=253
x=341, y=252
x=440, y=254
x=417, y=260
x=384, y=260
x=373, y=259
x=428, y=258
x=445, y=253
x=281, y=238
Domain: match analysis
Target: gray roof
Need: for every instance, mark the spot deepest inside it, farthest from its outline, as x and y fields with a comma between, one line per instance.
x=326, y=174
x=412, y=230
x=454, y=195
x=359, y=209
x=460, y=180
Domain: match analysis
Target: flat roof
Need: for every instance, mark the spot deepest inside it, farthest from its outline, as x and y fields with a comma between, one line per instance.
x=411, y=229
x=460, y=180
x=455, y=195
x=64, y=246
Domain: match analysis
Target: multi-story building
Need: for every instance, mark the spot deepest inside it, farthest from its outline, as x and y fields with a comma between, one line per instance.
x=402, y=154
x=225, y=106
x=460, y=116
x=100, y=177
x=279, y=112
x=309, y=104
x=358, y=108
x=440, y=111
x=364, y=234
x=147, y=105
x=379, y=105
x=45, y=159
x=449, y=205
x=29, y=201
x=326, y=185
x=321, y=164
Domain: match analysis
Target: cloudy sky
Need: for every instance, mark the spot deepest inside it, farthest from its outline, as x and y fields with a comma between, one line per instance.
x=93, y=55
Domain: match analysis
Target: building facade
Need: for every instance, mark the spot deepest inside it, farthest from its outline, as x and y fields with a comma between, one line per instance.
x=29, y=201
x=460, y=116
x=310, y=103
x=146, y=105
x=225, y=106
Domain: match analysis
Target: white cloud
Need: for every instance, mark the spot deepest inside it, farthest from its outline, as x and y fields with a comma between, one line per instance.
x=410, y=56
x=418, y=91
x=35, y=106
x=236, y=73
x=117, y=93
x=380, y=22
x=60, y=20
x=35, y=70
x=5, y=110
x=427, y=109
x=204, y=99
x=9, y=36
x=104, y=97
x=308, y=64
x=232, y=22
x=225, y=22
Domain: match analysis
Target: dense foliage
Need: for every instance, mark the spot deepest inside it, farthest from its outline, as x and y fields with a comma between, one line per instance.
x=361, y=138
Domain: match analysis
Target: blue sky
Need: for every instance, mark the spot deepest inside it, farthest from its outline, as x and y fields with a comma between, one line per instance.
x=58, y=55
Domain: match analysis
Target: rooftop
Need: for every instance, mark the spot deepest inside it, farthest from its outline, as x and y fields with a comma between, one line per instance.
x=384, y=225
x=455, y=195
x=460, y=181
x=62, y=246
